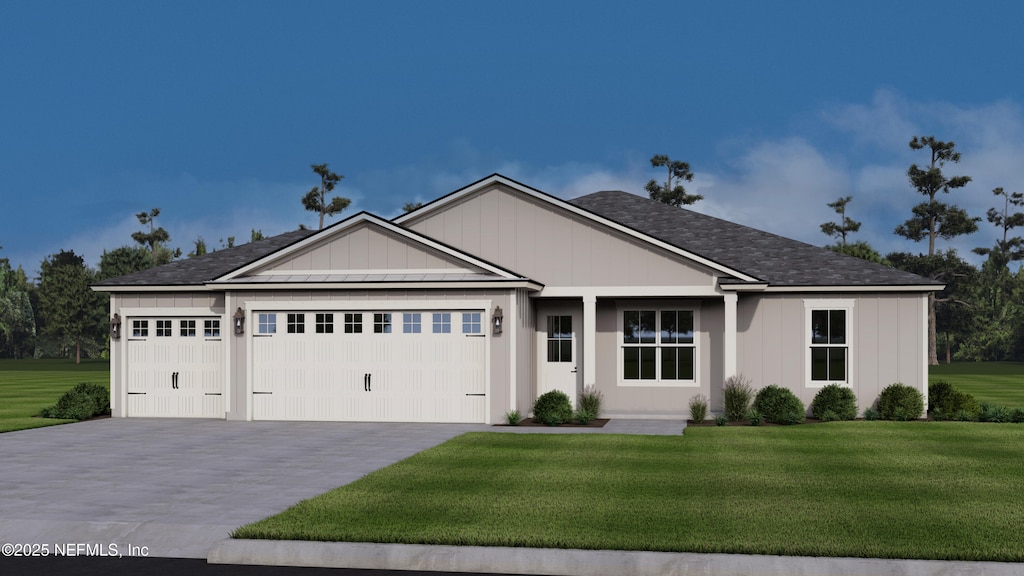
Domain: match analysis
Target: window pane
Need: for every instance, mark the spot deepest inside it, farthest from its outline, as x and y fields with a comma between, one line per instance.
x=837, y=364
x=669, y=329
x=631, y=363
x=819, y=363
x=552, y=326
x=837, y=326
x=382, y=323
x=648, y=363
x=553, y=351
x=471, y=323
x=411, y=323
x=819, y=326
x=669, y=366
x=566, y=350
x=630, y=326
x=647, y=328
x=686, y=363
x=565, y=327
x=686, y=327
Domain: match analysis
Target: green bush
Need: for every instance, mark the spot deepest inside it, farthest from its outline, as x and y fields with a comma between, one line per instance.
x=994, y=413
x=838, y=401
x=900, y=402
x=590, y=400
x=779, y=405
x=698, y=408
x=512, y=417
x=737, y=394
x=82, y=402
x=965, y=416
x=584, y=416
x=871, y=414
x=1017, y=417
x=944, y=401
x=755, y=418
x=553, y=408
x=720, y=420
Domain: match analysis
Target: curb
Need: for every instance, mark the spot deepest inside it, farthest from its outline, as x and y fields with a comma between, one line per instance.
x=559, y=562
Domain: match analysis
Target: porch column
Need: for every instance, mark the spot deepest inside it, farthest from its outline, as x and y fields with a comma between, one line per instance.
x=729, y=348
x=589, y=341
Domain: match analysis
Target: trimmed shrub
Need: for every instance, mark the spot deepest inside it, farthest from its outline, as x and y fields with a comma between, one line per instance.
x=1017, y=417
x=755, y=417
x=900, y=402
x=512, y=417
x=584, y=416
x=698, y=408
x=994, y=413
x=82, y=402
x=871, y=414
x=737, y=394
x=590, y=401
x=945, y=402
x=779, y=405
x=720, y=420
x=553, y=408
x=838, y=402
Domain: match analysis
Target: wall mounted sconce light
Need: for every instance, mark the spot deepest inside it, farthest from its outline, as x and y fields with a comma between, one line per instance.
x=239, y=321
x=497, y=319
x=115, y=326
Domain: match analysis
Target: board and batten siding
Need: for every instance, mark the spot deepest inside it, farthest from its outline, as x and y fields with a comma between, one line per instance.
x=639, y=401
x=553, y=246
x=500, y=346
x=888, y=342
x=363, y=248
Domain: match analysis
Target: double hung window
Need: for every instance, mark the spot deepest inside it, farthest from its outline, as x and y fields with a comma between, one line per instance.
x=828, y=346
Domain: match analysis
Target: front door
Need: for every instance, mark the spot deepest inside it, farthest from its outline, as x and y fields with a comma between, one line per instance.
x=559, y=359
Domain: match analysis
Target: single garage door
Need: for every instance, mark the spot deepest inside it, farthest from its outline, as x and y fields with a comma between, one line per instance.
x=175, y=368
x=399, y=366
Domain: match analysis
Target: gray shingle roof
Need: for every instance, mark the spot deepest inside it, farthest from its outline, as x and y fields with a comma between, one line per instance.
x=779, y=261
x=201, y=269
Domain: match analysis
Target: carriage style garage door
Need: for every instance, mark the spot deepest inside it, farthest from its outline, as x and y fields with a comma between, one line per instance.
x=175, y=367
x=376, y=366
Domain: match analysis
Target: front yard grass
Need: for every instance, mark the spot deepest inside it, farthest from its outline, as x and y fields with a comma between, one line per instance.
x=28, y=385
x=930, y=490
x=1000, y=383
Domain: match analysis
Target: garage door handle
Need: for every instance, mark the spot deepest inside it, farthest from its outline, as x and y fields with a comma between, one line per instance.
x=136, y=393
x=254, y=392
x=174, y=380
x=366, y=383
x=476, y=394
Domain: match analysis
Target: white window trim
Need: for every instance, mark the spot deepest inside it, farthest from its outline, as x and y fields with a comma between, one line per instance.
x=658, y=307
x=812, y=304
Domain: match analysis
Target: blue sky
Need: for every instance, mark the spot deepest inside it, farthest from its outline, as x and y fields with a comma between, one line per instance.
x=214, y=111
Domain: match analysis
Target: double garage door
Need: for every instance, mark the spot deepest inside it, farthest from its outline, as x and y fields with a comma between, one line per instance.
x=175, y=367
x=377, y=366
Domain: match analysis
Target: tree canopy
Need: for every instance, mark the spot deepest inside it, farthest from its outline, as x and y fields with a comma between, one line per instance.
x=845, y=226
x=672, y=191
x=316, y=199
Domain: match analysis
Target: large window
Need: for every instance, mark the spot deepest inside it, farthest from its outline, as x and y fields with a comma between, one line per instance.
x=658, y=347
x=828, y=334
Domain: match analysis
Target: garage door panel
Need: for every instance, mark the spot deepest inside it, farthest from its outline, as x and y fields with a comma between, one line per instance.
x=368, y=376
x=176, y=374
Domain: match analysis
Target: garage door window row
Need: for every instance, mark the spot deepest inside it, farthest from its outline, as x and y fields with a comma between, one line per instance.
x=382, y=322
x=165, y=328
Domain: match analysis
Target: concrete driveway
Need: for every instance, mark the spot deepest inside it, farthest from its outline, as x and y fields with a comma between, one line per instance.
x=177, y=487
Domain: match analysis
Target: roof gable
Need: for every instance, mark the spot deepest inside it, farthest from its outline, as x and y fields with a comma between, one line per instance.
x=775, y=259
x=365, y=244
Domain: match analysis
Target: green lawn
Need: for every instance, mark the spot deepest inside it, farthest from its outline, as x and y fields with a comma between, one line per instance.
x=933, y=490
x=996, y=382
x=29, y=385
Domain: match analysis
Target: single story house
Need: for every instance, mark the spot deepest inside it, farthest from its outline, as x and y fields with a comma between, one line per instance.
x=478, y=302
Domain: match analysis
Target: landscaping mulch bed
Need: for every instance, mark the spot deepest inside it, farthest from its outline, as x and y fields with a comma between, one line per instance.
x=692, y=424
x=595, y=423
